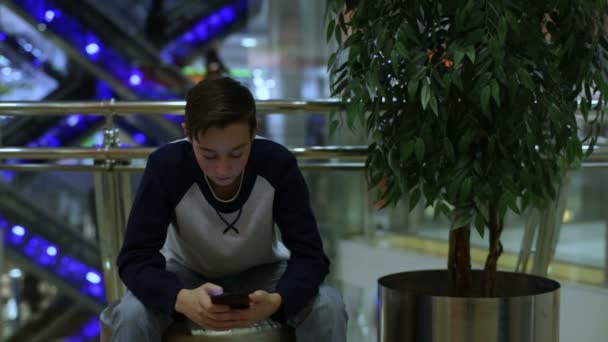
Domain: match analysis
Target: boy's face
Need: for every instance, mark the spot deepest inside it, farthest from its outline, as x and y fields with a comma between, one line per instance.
x=222, y=153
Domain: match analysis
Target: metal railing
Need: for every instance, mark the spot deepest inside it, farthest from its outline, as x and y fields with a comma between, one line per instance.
x=313, y=152
x=111, y=168
x=26, y=108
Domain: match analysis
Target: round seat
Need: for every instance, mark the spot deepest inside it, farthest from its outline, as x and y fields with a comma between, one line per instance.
x=187, y=331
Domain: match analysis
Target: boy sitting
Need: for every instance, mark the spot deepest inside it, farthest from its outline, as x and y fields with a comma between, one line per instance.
x=202, y=223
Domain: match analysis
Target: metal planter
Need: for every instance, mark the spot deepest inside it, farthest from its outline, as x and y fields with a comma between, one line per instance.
x=416, y=306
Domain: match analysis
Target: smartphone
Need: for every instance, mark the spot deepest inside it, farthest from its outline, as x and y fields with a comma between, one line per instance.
x=235, y=300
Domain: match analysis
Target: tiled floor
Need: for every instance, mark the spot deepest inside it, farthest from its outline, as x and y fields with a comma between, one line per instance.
x=579, y=243
x=360, y=262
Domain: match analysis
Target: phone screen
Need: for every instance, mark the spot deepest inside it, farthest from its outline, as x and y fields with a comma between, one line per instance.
x=234, y=300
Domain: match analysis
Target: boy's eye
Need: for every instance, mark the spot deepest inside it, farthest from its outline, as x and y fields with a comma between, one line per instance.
x=209, y=157
x=236, y=155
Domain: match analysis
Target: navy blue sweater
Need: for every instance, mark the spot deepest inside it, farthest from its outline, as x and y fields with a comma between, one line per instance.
x=175, y=210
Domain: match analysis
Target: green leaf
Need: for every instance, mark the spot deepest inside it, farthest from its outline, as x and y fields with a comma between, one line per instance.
x=452, y=193
x=341, y=76
x=419, y=149
x=419, y=73
x=393, y=161
x=342, y=24
x=503, y=203
x=465, y=190
x=585, y=109
x=462, y=219
x=458, y=56
x=480, y=225
x=499, y=71
x=332, y=60
x=457, y=80
x=434, y=105
x=502, y=29
x=330, y=30
x=449, y=149
x=470, y=52
x=495, y=92
x=425, y=95
x=395, y=62
x=333, y=126
x=512, y=203
x=430, y=193
x=485, y=98
x=338, y=88
x=414, y=198
x=409, y=33
x=406, y=150
x=350, y=119
x=465, y=142
x=441, y=209
x=338, y=35
x=459, y=19
x=412, y=88
x=525, y=201
x=361, y=113
x=525, y=79
x=401, y=48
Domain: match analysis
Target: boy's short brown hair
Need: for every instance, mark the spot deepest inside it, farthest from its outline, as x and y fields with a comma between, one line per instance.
x=219, y=102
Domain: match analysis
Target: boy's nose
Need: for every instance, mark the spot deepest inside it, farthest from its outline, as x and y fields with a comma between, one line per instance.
x=223, y=168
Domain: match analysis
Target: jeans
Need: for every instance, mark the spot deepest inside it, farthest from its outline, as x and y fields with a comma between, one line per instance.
x=324, y=319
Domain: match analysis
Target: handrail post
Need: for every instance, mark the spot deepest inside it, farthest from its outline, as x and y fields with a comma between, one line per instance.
x=112, y=211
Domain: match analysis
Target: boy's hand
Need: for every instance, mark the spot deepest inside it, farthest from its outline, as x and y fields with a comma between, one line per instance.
x=196, y=305
x=262, y=306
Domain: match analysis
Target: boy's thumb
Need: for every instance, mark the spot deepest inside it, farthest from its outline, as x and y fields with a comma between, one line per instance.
x=213, y=289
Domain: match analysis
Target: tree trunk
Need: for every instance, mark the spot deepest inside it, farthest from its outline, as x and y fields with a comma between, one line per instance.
x=459, y=261
x=488, y=281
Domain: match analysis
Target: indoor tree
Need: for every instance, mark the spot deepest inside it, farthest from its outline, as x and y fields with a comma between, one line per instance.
x=470, y=105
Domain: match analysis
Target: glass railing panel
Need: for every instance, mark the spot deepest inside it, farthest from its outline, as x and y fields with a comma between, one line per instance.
x=580, y=254
x=66, y=197
x=49, y=245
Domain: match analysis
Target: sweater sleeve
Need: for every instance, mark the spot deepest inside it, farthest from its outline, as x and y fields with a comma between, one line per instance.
x=140, y=264
x=308, y=265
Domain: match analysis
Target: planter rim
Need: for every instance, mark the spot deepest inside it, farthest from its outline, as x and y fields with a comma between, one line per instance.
x=433, y=283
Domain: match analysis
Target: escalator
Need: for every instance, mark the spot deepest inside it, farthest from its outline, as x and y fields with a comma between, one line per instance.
x=32, y=68
x=84, y=46
x=124, y=79
x=107, y=37
x=57, y=321
x=177, y=28
x=121, y=52
x=50, y=247
x=52, y=250
x=109, y=40
x=160, y=22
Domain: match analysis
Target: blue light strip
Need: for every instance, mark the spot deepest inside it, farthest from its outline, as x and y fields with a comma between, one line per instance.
x=117, y=65
x=66, y=130
x=205, y=31
x=47, y=255
x=89, y=332
x=97, y=51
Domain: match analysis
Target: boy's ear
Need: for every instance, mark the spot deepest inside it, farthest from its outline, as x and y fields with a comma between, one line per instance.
x=256, y=129
x=186, y=131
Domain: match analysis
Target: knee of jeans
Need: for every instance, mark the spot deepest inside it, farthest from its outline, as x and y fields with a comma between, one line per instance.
x=128, y=311
x=330, y=305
